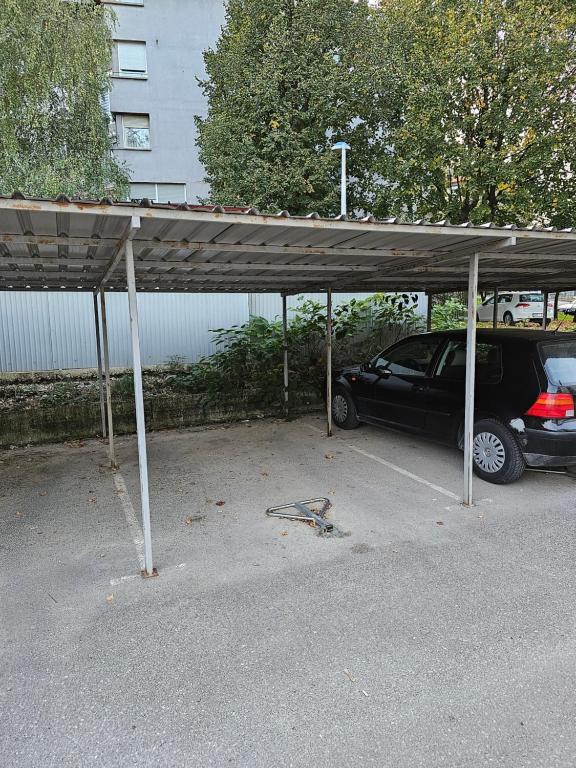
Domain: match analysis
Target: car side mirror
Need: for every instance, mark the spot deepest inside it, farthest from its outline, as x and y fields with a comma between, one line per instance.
x=385, y=373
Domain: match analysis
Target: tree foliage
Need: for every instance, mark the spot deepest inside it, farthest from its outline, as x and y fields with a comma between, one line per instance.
x=459, y=109
x=285, y=81
x=54, y=71
x=483, y=118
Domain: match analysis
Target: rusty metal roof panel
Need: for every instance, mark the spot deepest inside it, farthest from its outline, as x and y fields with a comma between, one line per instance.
x=67, y=245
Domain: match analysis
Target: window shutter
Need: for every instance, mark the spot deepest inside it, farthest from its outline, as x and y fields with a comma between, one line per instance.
x=140, y=190
x=132, y=57
x=171, y=193
x=136, y=121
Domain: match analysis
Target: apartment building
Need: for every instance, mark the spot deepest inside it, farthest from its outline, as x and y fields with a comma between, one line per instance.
x=155, y=95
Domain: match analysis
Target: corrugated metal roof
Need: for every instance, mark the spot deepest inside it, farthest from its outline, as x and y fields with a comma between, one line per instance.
x=70, y=245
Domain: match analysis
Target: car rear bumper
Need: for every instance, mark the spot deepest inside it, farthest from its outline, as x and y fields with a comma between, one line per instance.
x=545, y=449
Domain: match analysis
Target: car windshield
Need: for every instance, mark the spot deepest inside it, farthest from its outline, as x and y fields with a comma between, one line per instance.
x=559, y=360
x=537, y=298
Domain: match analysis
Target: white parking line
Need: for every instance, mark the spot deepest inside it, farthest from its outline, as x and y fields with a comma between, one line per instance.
x=131, y=517
x=394, y=467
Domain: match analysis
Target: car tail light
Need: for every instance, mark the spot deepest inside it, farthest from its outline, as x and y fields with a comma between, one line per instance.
x=548, y=406
x=522, y=304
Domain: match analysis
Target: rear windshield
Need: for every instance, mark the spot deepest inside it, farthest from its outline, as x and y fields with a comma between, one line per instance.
x=559, y=360
x=536, y=297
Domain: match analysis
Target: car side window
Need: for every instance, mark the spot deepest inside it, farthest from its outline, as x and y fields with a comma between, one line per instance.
x=452, y=363
x=412, y=358
x=489, y=302
x=505, y=298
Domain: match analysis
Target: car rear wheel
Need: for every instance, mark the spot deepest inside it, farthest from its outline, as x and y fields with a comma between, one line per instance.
x=497, y=455
x=344, y=410
x=508, y=319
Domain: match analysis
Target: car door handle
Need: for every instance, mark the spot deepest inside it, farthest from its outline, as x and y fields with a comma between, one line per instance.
x=418, y=388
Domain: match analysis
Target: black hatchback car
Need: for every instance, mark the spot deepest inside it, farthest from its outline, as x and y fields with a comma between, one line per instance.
x=524, y=408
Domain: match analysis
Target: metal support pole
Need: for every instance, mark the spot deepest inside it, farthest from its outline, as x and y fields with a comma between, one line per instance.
x=556, y=300
x=329, y=362
x=111, y=451
x=429, y=313
x=495, y=309
x=545, y=312
x=470, y=382
x=99, y=358
x=285, y=343
x=139, y=401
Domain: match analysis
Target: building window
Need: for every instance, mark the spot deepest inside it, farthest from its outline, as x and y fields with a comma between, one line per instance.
x=158, y=192
x=135, y=131
x=130, y=59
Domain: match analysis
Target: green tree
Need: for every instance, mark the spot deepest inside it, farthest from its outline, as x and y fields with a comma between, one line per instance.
x=286, y=80
x=481, y=118
x=54, y=72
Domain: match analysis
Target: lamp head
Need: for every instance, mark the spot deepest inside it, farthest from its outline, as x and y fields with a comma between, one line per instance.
x=341, y=145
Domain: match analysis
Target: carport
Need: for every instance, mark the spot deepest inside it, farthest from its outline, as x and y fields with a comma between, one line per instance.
x=100, y=247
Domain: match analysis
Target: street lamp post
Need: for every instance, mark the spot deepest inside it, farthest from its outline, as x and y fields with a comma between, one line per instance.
x=342, y=147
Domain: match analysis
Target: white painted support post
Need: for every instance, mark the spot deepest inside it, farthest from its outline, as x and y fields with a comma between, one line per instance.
x=99, y=359
x=139, y=401
x=106, y=348
x=285, y=344
x=545, y=312
x=470, y=382
x=329, y=362
x=495, y=309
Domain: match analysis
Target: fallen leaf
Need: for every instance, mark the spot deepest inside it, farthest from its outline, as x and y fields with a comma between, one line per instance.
x=19, y=514
x=93, y=499
x=42, y=493
x=283, y=533
x=439, y=522
x=264, y=474
x=220, y=503
x=110, y=598
x=349, y=676
x=329, y=456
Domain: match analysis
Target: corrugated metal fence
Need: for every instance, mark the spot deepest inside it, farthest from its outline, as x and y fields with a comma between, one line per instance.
x=53, y=331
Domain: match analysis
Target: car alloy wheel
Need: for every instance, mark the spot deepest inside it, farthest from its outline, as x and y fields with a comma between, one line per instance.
x=339, y=408
x=489, y=452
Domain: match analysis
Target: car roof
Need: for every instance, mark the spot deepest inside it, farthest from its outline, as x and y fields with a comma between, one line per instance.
x=515, y=336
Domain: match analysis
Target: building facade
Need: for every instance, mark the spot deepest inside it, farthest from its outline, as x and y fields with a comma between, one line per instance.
x=155, y=95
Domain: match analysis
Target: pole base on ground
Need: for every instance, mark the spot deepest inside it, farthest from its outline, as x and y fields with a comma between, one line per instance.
x=146, y=575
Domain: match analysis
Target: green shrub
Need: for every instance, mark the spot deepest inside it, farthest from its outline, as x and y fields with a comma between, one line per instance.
x=248, y=366
x=449, y=314
x=123, y=386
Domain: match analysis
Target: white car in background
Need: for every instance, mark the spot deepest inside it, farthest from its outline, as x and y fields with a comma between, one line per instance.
x=513, y=307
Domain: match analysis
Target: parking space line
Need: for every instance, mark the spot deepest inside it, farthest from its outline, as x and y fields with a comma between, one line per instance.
x=131, y=517
x=394, y=467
